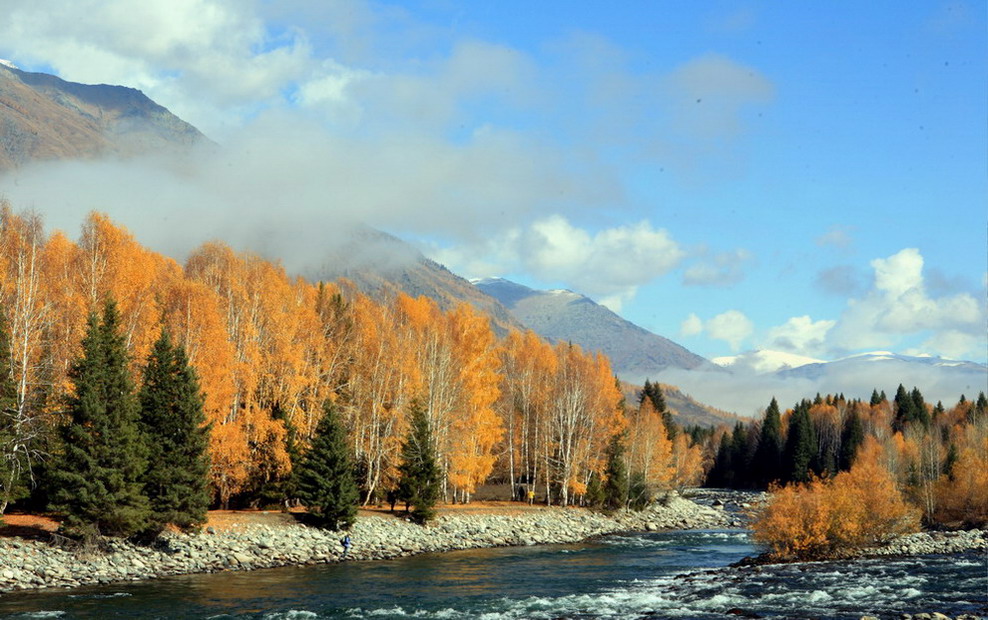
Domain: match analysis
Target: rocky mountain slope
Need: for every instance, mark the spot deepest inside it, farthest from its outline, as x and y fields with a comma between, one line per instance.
x=636, y=353
x=43, y=117
x=380, y=265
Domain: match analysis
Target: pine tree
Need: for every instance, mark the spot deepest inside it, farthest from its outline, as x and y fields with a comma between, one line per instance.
x=325, y=479
x=639, y=492
x=96, y=484
x=616, y=475
x=742, y=458
x=12, y=444
x=768, y=455
x=594, y=496
x=721, y=474
x=800, y=444
x=653, y=392
x=420, y=476
x=920, y=414
x=174, y=428
x=852, y=436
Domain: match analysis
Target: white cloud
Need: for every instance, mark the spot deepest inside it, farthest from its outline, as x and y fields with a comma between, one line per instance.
x=898, y=306
x=609, y=264
x=801, y=335
x=691, y=326
x=732, y=326
x=193, y=56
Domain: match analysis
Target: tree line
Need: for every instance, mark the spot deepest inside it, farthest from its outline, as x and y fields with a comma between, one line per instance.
x=845, y=472
x=273, y=354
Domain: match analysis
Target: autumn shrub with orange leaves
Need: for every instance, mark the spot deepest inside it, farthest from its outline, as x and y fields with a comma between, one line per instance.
x=828, y=518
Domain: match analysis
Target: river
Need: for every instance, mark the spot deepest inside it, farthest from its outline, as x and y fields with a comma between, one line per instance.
x=640, y=575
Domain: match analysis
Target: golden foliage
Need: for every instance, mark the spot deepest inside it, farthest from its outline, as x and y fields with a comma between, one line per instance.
x=825, y=518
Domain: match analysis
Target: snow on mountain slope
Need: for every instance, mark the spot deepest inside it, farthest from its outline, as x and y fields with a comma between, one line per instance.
x=764, y=361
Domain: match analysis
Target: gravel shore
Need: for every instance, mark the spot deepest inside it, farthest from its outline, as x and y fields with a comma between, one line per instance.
x=30, y=564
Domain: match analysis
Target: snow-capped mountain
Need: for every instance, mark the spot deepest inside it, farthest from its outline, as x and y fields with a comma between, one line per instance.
x=873, y=361
x=764, y=361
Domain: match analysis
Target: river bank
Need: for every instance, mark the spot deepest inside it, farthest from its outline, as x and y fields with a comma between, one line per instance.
x=35, y=564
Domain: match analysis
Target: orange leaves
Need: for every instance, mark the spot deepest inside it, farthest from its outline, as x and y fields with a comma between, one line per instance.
x=963, y=495
x=824, y=518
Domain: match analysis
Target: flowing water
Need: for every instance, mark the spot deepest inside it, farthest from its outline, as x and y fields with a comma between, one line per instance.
x=641, y=575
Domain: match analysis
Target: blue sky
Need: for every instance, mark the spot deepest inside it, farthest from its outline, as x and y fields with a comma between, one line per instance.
x=806, y=177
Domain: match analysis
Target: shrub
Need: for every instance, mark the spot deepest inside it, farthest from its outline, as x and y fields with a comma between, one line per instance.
x=830, y=518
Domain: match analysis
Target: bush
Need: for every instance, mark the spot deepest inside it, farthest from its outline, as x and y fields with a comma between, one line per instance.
x=830, y=518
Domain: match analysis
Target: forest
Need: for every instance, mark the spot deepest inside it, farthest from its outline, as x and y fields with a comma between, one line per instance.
x=272, y=353
x=845, y=473
x=256, y=360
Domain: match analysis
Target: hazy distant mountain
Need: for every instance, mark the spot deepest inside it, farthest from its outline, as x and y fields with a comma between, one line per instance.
x=43, y=117
x=879, y=362
x=687, y=410
x=381, y=264
x=562, y=315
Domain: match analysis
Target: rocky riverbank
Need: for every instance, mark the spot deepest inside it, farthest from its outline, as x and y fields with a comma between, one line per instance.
x=31, y=564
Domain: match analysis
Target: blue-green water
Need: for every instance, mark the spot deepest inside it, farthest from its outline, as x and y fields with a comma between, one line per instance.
x=653, y=575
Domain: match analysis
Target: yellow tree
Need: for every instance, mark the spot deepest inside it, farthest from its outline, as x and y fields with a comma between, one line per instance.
x=476, y=427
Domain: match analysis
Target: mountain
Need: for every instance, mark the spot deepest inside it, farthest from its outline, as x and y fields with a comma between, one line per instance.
x=43, y=117
x=687, y=410
x=764, y=361
x=880, y=362
x=380, y=264
x=565, y=316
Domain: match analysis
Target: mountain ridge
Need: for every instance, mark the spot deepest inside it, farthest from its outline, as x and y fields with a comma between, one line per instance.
x=563, y=315
x=43, y=117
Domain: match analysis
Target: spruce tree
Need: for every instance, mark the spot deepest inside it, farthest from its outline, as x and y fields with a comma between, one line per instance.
x=920, y=413
x=325, y=478
x=639, y=492
x=616, y=475
x=173, y=425
x=721, y=474
x=420, y=475
x=742, y=458
x=12, y=466
x=851, y=438
x=801, y=444
x=768, y=455
x=903, y=408
x=96, y=483
x=653, y=392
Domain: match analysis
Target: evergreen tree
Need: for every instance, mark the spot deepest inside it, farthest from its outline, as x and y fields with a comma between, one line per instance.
x=741, y=448
x=326, y=484
x=920, y=414
x=852, y=436
x=594, y=496
x=96, y=484
x=722, y=474
x=174, y=428
x=801, y=444
x=768, y=456
x=653, y=392
x=639, y=493
x=420, y=476
x=12, y=452
x=980, y=407
x=615, y=475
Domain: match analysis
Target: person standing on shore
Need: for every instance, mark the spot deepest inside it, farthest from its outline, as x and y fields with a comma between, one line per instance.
x=346, y=546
